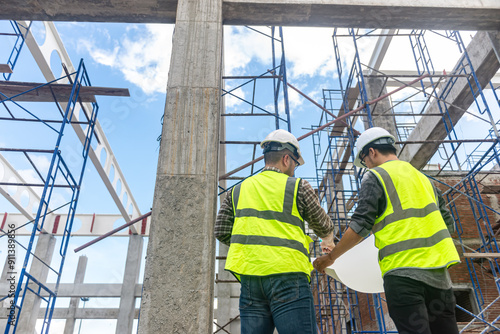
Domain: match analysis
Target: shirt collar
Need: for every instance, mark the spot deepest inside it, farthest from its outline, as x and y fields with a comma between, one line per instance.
x=271, y=168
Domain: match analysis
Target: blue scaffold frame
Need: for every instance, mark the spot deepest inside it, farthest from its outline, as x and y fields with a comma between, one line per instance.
x=72, y=179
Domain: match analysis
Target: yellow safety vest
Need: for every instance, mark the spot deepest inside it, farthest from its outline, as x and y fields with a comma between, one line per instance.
x=411, y=233
x=268, y=235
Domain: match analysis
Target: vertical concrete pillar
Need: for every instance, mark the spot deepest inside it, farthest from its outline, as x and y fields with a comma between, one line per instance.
x=126, y=311
x=31, y=305
x=375, y=87
x=69, y=327
x=494, y=37
x=179, y=275
x=3, y=279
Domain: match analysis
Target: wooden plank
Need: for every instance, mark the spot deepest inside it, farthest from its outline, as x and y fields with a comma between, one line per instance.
x=61, y=91
x=5, y=68
x=482, y=255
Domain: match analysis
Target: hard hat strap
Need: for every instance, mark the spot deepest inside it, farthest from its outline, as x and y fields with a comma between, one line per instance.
x=382, y=141
x=276, y=146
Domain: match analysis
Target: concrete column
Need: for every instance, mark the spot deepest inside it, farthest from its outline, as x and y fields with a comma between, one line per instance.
x=375, y=87
x=6, y=302
x=126, y=312
x=31, y=304
x=494, y=37
x=179, y=276
x=69, y=327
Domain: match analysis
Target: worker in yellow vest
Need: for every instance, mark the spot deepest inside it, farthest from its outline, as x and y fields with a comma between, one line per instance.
x=262, y=222
x=412, y=226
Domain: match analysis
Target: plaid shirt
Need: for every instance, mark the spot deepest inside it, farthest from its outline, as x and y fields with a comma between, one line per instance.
x=307, y=203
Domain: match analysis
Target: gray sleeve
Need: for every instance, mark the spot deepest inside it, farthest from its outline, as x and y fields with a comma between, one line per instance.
x=448, y=219
x=371, y=204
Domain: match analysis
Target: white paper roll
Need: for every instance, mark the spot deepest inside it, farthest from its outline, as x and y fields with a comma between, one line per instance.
x=358, y=268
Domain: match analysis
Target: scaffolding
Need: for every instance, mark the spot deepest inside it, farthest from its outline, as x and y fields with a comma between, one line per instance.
x=261, y=100
x=16, y=38
x=426, y=118
x=59, y=177
x=53, y=177
x=268, y=98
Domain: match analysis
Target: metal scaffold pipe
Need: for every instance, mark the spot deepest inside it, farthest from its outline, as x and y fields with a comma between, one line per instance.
x=338, y=119
x=118, y=229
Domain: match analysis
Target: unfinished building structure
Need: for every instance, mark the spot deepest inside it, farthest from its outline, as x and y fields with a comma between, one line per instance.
x=425, y=122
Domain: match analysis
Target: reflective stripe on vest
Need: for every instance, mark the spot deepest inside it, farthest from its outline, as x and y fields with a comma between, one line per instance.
x=411, y=232
x=268, y=233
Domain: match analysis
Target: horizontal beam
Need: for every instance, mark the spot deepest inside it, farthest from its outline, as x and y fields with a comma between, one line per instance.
x=85, y=225
x=426, y=14
x=38, y=92
x=143, y=11
x=81, y=313
x=91, y=290
x=5, y=68
x=94, y=290
x=459, y=98
x=482, y=255
x=400, y=78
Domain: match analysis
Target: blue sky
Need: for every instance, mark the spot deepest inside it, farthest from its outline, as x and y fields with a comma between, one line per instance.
x=138, y=57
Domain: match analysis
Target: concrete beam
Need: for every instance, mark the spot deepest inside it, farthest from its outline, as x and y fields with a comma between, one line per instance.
x=92, y=225
x=81, y=313
x=102, y=290
x=151, y=11
x=397, y=78
x=179, y=273
x=42, y=56
x=92, y=290
x=5, y=68
x=485, y=62
x=424, y=14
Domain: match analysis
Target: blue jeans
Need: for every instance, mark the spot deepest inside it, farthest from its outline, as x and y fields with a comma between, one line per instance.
x=283, y=301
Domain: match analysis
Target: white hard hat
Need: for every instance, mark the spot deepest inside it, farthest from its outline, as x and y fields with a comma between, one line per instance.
x=287, y=140
x=373, y=135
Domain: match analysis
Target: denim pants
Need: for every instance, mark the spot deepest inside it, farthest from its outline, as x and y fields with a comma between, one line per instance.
x=283, y=301
x=416, y=307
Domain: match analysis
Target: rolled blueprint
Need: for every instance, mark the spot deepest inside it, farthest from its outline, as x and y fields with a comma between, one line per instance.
x=358, y=268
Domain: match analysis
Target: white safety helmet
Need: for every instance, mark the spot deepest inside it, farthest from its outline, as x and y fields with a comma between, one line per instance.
x=287, y=140
x=373, y=135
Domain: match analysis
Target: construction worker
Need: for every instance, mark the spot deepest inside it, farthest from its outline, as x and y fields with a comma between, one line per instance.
x=412, y=226
x=262, y=222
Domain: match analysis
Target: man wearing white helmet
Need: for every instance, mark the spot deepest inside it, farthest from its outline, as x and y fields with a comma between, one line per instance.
x=262, y=222
x=412, y=226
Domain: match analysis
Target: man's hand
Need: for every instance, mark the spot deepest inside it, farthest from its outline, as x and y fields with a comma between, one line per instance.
x=322, y=262
x=327, y=245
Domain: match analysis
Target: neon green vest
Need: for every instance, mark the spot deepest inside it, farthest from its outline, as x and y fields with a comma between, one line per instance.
x=411, y=233
x=268, y=234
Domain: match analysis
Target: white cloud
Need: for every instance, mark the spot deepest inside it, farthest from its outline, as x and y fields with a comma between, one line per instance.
x=295, y=100
x=309, y=51
x=143, y=57
x=241, y=46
